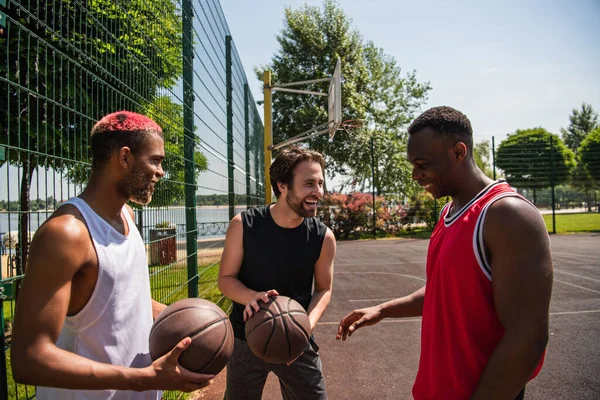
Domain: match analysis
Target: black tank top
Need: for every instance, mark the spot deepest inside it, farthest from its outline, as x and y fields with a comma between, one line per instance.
x=277, y=258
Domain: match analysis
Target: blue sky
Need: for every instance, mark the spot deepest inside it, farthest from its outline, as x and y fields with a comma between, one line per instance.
x=506, y=64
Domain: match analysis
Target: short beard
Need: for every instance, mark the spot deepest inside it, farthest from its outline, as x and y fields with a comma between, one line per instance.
x=136, y=188
x=297, y=205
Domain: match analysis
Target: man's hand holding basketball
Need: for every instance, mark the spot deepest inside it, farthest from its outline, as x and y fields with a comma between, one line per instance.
x=167, y=374
x=357, y=319
x=253, y=306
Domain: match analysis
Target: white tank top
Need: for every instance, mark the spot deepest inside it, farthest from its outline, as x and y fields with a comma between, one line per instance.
x=114, y=326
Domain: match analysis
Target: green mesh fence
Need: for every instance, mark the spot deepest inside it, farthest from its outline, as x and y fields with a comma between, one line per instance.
x=66, y=63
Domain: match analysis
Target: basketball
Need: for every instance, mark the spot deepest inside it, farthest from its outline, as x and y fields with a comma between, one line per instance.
x=278, y=333
x=208, y=327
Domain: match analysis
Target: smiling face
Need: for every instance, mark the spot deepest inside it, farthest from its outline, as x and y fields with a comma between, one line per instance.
x=146, y=170
x=434, y=161
x=305, y=190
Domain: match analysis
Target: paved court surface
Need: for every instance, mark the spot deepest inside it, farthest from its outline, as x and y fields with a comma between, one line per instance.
x=381, y=362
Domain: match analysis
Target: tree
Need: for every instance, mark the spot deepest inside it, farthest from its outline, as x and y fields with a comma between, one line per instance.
x=589, y=151
x=582, y=122
x=169, y=116
x=374, y=90
x=530, y=160
x=62, y=71
x=481, y=153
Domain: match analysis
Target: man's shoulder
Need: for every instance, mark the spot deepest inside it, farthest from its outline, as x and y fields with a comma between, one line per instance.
x=66, y=221
x=514, y=216
x=254, y=215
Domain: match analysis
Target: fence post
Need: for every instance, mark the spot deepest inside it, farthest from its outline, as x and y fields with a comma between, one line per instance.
x=247, y=137
x=229, y=91
x=258, y=154
x=189, y=150
x=3, y=370
x=552, y=182
x=494, y=157
x=373, y=185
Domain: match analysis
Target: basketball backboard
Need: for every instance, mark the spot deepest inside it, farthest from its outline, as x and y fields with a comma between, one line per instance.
x=335, y=100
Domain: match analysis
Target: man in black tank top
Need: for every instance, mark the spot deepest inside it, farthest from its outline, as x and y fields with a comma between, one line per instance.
x=279, y=249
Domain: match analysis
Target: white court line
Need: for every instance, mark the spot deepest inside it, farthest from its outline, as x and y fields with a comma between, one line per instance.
x=379, y=264
x=397, y=320
x=385, y=321
x=574, y=312
x=579, y=276
x=391, y=298
x=576, y=256
x=577, y=286
x=379, y=273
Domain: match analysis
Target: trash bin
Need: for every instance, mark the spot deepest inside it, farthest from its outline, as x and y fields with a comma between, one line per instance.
x=163, y=246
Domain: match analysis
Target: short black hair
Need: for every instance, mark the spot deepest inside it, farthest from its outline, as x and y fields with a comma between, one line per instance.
x=448, y=122
x=119, y=129
x=282, y=169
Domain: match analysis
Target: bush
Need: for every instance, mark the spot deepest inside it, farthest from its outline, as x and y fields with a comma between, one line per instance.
x=350, y=216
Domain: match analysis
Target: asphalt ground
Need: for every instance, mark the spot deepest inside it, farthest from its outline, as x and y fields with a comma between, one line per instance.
x=380, y=362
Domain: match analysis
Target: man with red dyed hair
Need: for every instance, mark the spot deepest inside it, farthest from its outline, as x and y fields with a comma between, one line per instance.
x=85, y=311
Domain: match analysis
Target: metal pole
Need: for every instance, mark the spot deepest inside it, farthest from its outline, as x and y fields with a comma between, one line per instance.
x=552, y=183
x=268, y=132
x=373, y=188
x=189, y=146
x=229, y=93
x=494, y=157
x=247, y=134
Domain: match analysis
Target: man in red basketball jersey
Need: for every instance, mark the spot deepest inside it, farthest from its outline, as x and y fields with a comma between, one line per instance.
x=485, y=305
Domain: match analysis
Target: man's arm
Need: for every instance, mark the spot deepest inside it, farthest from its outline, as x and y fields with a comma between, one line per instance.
x=58, y=251
x=518, y=243
x=403, y=307
x=231, y=262
x=323, y=280
x=157, y=308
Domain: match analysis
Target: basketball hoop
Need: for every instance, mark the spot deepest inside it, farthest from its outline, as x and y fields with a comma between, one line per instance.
x=334, y=106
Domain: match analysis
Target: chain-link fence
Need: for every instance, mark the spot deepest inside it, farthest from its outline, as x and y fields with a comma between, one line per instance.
x=66, y=63
x=563, y=183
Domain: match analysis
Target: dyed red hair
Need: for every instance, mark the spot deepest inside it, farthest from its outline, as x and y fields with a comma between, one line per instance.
x=125, y=121
x=120, y=129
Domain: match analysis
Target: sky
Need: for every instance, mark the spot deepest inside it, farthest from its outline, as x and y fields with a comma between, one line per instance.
x=507, y=65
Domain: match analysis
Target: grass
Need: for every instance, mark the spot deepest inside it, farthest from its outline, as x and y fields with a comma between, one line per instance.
x=17, y=390
x=168, y=284
x=574, y=223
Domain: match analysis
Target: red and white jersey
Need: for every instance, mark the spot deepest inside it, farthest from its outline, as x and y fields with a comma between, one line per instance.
x=460, y=327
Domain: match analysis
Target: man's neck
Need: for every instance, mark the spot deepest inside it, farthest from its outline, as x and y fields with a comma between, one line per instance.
x=104, y=198
x=284, y=216
x=473, y=183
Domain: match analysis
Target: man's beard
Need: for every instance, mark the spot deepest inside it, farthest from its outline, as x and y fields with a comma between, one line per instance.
x=296, y=204
x=137, y=188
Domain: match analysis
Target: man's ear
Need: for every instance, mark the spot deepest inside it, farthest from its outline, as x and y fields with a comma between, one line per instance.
x=282, y=187
x=460, y=151
x=125, y=157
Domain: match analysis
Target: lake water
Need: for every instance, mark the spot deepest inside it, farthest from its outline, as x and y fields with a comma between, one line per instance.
x=150, y=216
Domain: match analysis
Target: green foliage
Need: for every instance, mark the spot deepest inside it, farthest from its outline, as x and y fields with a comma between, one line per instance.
x=481, y=153
x=582, y=122
x=589, y=153
x=373, y=90
x=528, y=161
x=424, y=208
x=35, y=205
